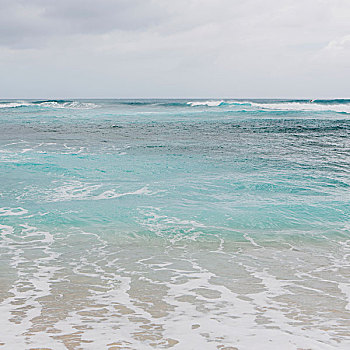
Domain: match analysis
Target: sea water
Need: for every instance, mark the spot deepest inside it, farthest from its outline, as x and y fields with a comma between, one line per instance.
x=182, y=224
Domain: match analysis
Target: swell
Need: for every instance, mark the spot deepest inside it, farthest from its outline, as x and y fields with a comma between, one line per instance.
x=335, y=105
x=248, y=105
x=48, y=104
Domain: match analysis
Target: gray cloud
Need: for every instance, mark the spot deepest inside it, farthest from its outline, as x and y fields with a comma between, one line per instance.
x=28, y=23
x=145, y=48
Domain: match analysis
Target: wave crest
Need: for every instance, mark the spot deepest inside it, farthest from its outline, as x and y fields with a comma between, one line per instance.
x=206, y=103
x=304, y=106
x=338, y=106
x=50, y=104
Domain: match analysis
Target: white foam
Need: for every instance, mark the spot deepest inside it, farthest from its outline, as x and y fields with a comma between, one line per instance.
x=5, y=211
x=345, y=289
x=303, y=106
x=205, y=103
x=69, y=105
x=32, y=282
x=5, y=229
x=83, y=191
x=51, y=104
x=277, y=106
x=14, y=104
x=75, y=190
x=172, y=228
x=113, y=194
x=140, y=293
x=143, y=298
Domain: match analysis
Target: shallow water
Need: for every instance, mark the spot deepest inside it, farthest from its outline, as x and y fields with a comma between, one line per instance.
x=174, y=224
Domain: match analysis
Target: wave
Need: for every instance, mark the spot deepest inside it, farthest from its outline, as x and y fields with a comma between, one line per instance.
x=206, y=103
x=304, y=106
x=156, y=103
x=50, y=104
x=336, y=105
x=315, y=105
x=69, y=104
x=215, y=103
x=334, y=101
x=14, y=104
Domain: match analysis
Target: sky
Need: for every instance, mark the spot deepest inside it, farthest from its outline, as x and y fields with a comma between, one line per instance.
x=174, y=49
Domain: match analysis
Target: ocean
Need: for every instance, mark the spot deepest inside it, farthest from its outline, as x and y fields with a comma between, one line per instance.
x=175, y=224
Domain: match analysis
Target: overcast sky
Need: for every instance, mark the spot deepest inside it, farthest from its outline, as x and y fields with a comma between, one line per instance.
x=174, y=48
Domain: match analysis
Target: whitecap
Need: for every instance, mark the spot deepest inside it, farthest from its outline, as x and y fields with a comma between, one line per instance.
x=69, y=105
x=311, y=105
x=205, y=103
x=303, y=106
x=15, y=104
x=50, y=104
x=5, y=211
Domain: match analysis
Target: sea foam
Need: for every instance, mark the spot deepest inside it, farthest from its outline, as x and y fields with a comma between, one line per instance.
x=50, y=104
x=312, y=105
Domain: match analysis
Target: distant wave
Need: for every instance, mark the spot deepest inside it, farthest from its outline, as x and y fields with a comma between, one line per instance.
x=206, y=103
x=68, y=104
x=335, y=101
x=50, y=104
x=181, y=103
x=337, y=105
x=165, y=103
x=304, y=106
x=215, y=103
x=14, y=104
x=315, y=105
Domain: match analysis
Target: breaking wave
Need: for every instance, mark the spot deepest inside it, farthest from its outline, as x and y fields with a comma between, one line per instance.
x=304, y=106
x=49, y=104
x=335, y=105
x=339, y=106
x=14, y=104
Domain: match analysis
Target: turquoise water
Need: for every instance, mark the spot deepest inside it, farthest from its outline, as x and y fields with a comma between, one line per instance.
x=180, y=224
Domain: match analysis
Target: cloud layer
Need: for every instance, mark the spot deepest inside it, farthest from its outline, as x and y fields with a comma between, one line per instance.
x=160, y=48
